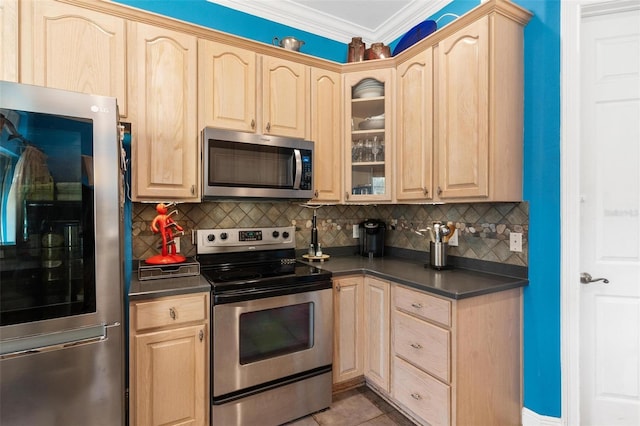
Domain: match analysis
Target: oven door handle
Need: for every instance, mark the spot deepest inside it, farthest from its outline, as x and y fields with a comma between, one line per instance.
x=297, y=174
x=245, y=295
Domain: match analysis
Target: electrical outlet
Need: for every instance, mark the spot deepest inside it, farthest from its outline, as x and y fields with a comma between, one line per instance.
x=356, y=231
x=453, y=239
x=177, y=242
x=515, y=241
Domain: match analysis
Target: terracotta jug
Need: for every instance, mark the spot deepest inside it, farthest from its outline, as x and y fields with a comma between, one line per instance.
x=378, y=51
x=356, y=50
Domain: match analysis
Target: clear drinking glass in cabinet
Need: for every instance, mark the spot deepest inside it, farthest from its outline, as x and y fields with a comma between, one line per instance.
x=368, y=139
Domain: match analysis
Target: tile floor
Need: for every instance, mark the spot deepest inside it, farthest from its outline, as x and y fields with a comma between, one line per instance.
x=356, y=407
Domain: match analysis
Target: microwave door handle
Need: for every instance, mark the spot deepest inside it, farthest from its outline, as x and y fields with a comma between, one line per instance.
x=297, y=177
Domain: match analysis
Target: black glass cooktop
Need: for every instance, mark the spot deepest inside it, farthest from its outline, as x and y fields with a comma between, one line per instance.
x=258, y=271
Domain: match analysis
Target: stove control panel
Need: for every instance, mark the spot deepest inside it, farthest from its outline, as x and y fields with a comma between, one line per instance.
x=210, y=241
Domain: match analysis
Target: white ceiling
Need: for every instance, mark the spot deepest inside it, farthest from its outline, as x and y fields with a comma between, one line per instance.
x=340, y=20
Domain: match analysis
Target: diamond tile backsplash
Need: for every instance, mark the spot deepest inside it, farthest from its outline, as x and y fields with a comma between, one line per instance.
x=483, y=228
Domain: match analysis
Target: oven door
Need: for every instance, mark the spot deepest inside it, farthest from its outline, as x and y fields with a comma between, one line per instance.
x=262, y=340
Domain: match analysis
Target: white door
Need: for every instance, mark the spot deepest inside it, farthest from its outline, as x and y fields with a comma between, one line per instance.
x=609, y=355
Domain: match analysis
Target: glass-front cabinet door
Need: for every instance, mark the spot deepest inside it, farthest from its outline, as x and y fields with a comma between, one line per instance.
x=368, y=135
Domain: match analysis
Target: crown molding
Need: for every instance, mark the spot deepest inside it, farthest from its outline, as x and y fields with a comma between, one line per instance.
x=297, y=15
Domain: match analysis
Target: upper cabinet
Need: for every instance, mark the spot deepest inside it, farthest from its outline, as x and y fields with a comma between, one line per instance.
x=9, y=40
x=285, y=99
x=162, y=76
x=479, y=110
x=71, y=48
x=456, y=96
x=414, y=177
x=368, y=135
x=326, y=133
x=227, y=80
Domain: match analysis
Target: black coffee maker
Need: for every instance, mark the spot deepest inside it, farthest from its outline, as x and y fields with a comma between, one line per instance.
x=372, y=237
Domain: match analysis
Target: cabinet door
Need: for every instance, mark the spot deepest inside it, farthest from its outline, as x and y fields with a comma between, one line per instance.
x=348, y=339
x=71, y=48
x=165, y=153
x=170, y=377
x=285, y=100
x=326, y=133
x=9, y=40
x=376, y=332
x=415, y=128
x=368, y=135
x=227, y=81
x=463, y=112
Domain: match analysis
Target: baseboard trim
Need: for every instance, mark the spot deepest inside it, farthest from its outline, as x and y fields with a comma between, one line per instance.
x=531, y=418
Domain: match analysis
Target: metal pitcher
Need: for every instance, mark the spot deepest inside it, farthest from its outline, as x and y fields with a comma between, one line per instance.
x=289, y=43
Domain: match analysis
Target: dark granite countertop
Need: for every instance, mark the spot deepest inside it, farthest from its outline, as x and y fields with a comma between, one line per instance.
x=148, y=289
x=454, y=283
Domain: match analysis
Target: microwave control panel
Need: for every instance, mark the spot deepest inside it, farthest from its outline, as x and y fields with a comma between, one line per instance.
x=307, y=171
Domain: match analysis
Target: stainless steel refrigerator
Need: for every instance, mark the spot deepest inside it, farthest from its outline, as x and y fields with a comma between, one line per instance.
x=61, y=258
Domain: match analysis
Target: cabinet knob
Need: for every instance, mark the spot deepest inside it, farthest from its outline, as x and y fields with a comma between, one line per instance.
x=439, y=191
x=172, y=313
x=425, y=190
x=193, y=190
x=337, y=287
x=346, y=195
x=268, y=126
x=315, y=194
x=201, y=335
x=416, y=396
x=253, y=124
x=417, y=305
x=416, y=346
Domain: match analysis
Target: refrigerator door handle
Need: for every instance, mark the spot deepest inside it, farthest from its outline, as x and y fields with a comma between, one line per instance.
x=52, y=342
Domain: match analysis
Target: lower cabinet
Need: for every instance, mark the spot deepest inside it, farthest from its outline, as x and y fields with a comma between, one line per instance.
x=441, y=361
x=169, y=361
x=376, y=332
x=457, y=362
x=348, y=341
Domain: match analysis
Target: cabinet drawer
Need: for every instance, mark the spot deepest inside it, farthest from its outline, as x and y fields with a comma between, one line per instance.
x=423, y=305
x=425, y=396
x=170, y=311
x=421, y=343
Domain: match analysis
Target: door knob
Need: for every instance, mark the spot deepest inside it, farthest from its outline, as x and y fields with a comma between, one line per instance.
x=586, y=278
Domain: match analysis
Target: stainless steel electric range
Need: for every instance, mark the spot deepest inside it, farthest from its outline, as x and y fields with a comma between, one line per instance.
x=272, y=327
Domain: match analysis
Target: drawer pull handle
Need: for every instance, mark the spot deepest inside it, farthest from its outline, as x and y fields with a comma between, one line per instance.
x=201, y=335
x=172, y=313
x=416, y=346
x=416, y=396
x=417, y=305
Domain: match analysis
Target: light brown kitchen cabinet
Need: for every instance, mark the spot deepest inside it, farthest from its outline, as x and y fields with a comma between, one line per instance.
x=377, y=299
x=67, y=47
x=479, y=109
x=368, y=135
x=285, y=97
x=169, y=359
x=162, y=79
x=227, y=81
x=414, y=142
x=9, y=40
x=457, y=362
x=326, y=133
x=348, y=339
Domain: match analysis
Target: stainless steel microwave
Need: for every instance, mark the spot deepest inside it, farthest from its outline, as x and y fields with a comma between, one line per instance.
x=248, y=165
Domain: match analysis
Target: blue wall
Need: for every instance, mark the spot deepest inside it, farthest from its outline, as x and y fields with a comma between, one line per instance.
x=542, y=376
x=227, y=20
